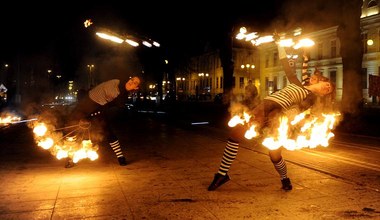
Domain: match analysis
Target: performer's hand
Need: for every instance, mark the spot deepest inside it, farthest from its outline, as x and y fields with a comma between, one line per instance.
x=276, y=37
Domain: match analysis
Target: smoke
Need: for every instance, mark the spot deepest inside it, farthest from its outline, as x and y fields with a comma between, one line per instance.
x=308, y=15
x=237, y=107
x=110, y=63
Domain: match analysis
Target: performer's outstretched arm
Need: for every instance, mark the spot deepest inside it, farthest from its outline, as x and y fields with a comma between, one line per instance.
x=290, y=73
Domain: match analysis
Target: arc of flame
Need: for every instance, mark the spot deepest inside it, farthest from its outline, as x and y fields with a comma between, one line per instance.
x=312, y=133
x=48, y=141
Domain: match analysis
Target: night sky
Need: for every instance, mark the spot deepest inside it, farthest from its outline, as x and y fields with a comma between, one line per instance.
x=34, y=32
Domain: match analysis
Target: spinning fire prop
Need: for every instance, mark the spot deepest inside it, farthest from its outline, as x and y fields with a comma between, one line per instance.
x=257, y=39
x=61, y=146
x=304, y=131
x=8, y=119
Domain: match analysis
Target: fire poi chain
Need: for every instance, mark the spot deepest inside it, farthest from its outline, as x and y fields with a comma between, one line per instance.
x=301, y=132
x=48, y=138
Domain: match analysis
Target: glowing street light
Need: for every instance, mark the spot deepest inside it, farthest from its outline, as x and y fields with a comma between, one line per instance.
x=180, y=84
x=248, y=67
x=90, y=77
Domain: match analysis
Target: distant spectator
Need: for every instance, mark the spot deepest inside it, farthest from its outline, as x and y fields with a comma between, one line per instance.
x=250, y=95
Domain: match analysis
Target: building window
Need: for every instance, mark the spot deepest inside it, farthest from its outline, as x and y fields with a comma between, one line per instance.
x=267, y=61
x=266, y=83
x=241, y=82
x=372, y=4
x=333, y=76
x=333, y=49
x=217, y=83
x=320, y=51
x=275, y=59
x=233, y=82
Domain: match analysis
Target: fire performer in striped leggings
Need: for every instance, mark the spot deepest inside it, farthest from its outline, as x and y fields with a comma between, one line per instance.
x=98, y=99
x=293, y=95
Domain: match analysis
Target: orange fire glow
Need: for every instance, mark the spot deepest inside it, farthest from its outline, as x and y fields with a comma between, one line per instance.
x=301, y=132
x=8, y=119
x=46, y=137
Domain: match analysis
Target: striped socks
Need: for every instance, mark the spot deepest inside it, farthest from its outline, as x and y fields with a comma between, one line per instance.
x=229, y=156
x=116, y=148
x=280, y=167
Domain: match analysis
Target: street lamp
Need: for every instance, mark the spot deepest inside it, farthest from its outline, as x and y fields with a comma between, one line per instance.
x=248, y=67
x=90, y=77
x=181, y=84
x=204, y=84
x=180, y=87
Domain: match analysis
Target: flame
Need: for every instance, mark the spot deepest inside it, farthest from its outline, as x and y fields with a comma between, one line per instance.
x=244, y=119
x=298, y=118
x=9, y=118
x=87, y=23
x=113, y=38
x=61, y=153
x=256, y=39
x=286, y=42
x=251, y=133
x=301, y=132
x=306, y=42
x=238, y=119
x=48, y=139
x=261, y=40
x=46, y=143
x=315, y=132
x=40, y=130
x=85, y=152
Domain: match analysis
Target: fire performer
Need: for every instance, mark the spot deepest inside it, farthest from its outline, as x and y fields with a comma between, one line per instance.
x=293, y=95
x=96, y=100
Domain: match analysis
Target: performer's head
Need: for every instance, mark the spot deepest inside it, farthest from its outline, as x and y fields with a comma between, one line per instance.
x=322, y=88
x=133, y=83
x=316, y=77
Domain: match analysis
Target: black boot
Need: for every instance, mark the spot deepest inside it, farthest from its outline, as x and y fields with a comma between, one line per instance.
x=219, y=180
x=122, y=161
x=286, y=184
